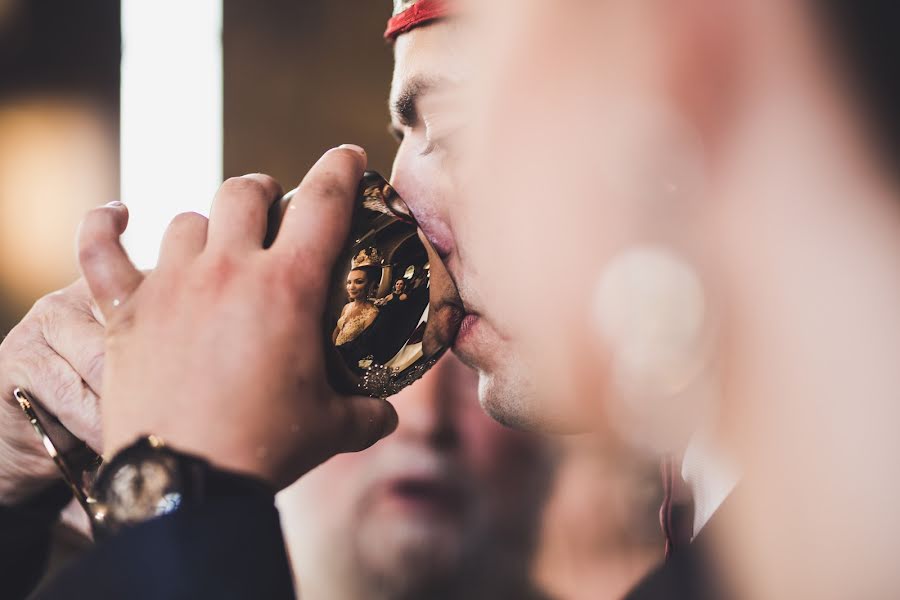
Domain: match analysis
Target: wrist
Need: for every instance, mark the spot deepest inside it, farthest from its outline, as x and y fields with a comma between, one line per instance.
x=219, y=452
x=190, y=433
x=149, y=479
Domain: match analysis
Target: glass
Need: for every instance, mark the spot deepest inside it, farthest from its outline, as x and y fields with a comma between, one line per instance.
x=392, y=308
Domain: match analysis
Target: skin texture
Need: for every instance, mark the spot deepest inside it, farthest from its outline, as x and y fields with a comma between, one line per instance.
x=215, y=272
x=56, y=353
x=432, y=66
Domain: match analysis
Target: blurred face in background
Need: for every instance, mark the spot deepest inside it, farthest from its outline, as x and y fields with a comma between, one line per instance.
x=600, y=529
x=444, y=507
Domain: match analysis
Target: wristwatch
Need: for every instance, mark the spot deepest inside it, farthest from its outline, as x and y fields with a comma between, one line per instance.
x=149, y=479
x=144, y=480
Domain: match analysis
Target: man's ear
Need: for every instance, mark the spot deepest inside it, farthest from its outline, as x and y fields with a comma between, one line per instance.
x=703, y=43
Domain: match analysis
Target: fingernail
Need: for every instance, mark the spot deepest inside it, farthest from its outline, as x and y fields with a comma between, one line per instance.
x=353, y=147
x=115, y=204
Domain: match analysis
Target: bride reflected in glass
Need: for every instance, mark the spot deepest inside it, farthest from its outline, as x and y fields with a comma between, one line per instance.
x=360, y=312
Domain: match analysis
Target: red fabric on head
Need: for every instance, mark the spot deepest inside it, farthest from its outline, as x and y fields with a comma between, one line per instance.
x=420, y=13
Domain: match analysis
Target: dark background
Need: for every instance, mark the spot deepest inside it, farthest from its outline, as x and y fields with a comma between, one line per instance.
x=300, y=76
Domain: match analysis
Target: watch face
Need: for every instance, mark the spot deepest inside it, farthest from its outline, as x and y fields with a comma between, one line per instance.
x=143, y=488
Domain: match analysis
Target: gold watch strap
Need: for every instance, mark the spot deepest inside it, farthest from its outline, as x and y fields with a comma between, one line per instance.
x=71, y=474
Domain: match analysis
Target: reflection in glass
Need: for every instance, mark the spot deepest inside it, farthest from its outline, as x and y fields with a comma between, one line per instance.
x=393, y=309
x=360, y=312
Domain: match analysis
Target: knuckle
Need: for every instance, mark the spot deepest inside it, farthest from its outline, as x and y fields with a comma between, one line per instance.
x=329, y=184
x=188, y=220
x=51, y=320
x=243, y=186
x=76, y=294
x=269, y=183
x=219, y=269
x=47, y=305
x=46, y=318
x=222, y=265
x=344, y=158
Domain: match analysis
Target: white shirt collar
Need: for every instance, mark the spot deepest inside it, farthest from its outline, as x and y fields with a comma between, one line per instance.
x=709, y=474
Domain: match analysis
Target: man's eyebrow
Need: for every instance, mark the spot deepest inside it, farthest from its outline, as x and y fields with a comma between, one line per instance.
x=405, y=106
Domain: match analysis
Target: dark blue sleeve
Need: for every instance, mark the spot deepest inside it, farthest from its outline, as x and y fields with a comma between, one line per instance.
x=229, y=547
x=25, y=540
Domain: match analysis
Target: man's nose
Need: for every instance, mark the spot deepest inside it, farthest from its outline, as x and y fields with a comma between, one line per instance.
x=428, y=410
x=419, y=186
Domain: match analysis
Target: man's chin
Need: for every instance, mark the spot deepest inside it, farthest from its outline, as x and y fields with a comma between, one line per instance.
x=510, y=397
x=509, y=402
x=410, y=552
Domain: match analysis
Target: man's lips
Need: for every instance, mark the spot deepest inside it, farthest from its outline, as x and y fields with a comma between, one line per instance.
x=468, y=346
x=467, y=325
x=425, y=493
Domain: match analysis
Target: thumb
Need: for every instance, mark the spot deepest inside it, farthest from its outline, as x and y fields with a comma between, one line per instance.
x=366, y=421
x=109, y=273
